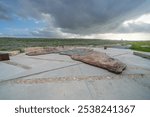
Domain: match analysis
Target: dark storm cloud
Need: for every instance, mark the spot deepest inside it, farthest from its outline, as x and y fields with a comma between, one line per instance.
x=4, y=12
x=85, y=16
x=81, y=17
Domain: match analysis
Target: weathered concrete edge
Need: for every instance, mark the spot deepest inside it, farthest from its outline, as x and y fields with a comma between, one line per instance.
x=144, y=55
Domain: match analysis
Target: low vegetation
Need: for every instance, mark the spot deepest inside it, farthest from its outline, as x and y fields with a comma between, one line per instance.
x=7, y=44
x=140, y=46
x=19, y=43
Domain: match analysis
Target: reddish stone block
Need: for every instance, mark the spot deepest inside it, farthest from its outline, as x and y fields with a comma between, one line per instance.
x=4, y=56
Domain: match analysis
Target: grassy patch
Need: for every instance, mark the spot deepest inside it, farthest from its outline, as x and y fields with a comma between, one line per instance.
x=141, y=46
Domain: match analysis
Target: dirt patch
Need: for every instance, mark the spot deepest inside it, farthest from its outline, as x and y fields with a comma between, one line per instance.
x=78, y=78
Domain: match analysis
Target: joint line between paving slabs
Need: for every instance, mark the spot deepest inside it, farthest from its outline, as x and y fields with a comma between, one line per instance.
x=88, y=88
x=40, y=72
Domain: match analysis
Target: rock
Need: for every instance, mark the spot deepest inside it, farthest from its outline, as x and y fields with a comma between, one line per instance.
x=101, y=60
x=33, y=51
x=13, y=53
x=40, y=51
x=4, y=56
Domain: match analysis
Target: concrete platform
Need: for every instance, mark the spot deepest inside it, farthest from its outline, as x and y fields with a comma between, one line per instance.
x=55, y=76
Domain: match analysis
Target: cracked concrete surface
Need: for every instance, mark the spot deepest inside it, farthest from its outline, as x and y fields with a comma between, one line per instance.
x=55, y=76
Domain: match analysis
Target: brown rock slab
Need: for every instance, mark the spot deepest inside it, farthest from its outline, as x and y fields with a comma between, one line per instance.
x=4, y=56
x=101, y=60
x=40, y=51
x=34, y=51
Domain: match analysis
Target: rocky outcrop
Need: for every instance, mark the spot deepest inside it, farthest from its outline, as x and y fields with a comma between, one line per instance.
x=101, y=60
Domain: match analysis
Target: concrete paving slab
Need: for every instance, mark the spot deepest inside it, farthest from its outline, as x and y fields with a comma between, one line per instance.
x=39, y=64
x=24, y=59
x=6, y=71
x=119, y=89
x=46, y=67
x=73, y=71
x=58, y=90
x=53, y=57
x=114, y=52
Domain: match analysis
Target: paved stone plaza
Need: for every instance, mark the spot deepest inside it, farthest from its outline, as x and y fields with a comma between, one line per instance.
x=54, y=76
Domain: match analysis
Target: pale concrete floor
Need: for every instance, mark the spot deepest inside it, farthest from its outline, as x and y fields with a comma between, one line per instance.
x=55, y=76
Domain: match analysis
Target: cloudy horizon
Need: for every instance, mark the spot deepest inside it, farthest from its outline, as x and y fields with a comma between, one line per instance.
x=95, y=19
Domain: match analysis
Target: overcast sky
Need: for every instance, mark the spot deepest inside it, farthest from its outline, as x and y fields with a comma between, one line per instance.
x=102, y=19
